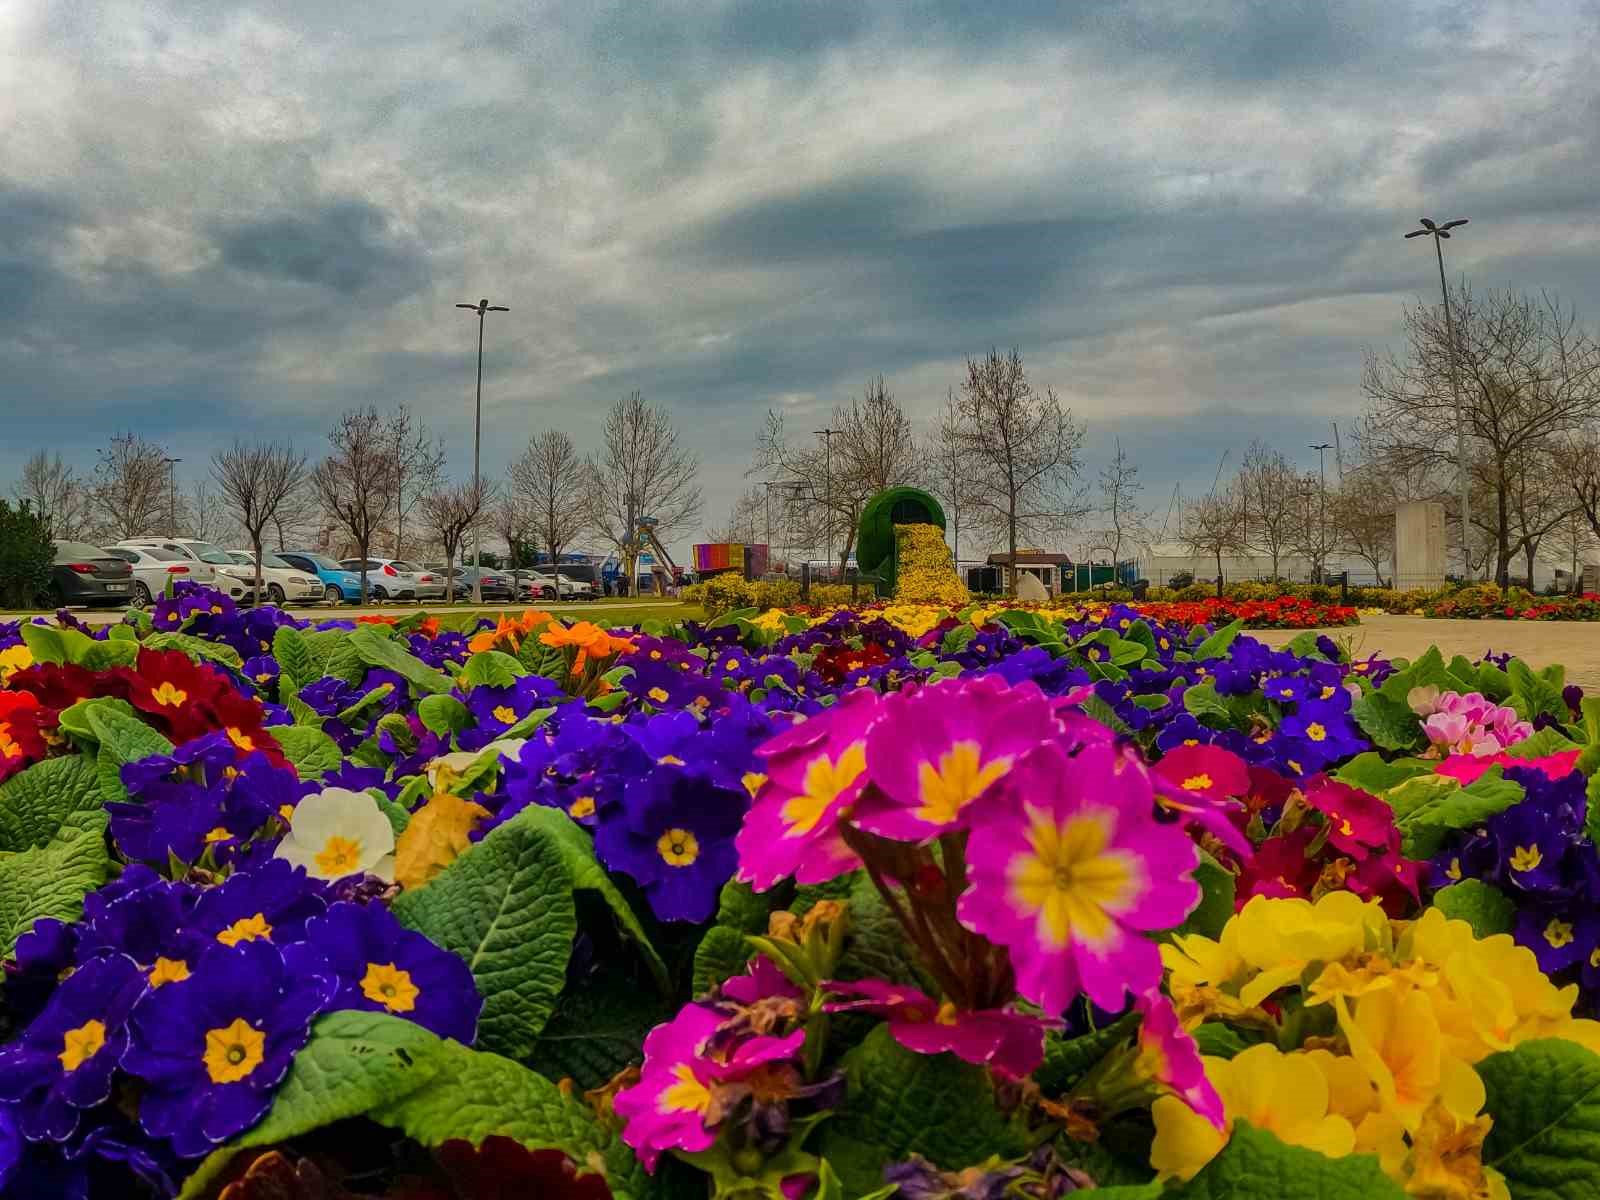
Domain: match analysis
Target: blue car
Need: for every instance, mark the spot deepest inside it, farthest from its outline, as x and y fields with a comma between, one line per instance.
x=338, y=585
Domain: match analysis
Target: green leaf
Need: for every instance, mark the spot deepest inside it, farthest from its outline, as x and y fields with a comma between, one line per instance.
x=298, y=667
x=1545, y=1099
x=123, y=739
x=741, y=907
x=506, y=908
x=1217, y=887
x=1493, y=682
x=196, y=648
x=312, y=752
x=1255, y=1165
x=1534, y=694
x=48, y=644
x=1371, y=773
x=1388, y=722
x=1067, y=1060
x=1220, y=1040
x=1543, y=743
x=399, y=816
x=1481, y=905
x=1427, y=671
x=491, y=668
x=372, y=699
x=598, y=1029
x=51, y=881
x=380, y=650
x=34, y=802
x=721, y=954
x=1217, y=644
x=1304, y=645
x=1427, y=809
x=444, y=715
x=74, y=720
x=1097, y=708
x=903, y=1103
x=1203, y=702
x=114, y=652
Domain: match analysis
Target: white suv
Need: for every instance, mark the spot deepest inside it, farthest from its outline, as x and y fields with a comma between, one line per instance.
x=219, y=565
x=282, y=583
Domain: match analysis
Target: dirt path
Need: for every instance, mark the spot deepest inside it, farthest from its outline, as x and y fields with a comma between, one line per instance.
x=1576, y=644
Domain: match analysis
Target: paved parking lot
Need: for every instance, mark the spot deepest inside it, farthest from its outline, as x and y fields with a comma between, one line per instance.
x=1573, y=643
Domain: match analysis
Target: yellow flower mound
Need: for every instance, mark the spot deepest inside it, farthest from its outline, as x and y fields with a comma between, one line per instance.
x=924, y=571
x=1402, y=1010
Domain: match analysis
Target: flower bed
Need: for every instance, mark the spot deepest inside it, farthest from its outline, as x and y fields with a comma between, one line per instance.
x=897, y=903
x=1487, y=602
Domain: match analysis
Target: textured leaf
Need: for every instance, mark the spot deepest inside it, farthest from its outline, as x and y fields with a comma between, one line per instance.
x=312, y=752
x=1203, y=702
x=1428, y=670
x=1533, y=694
x=198, y=649
x=903, y=1103
x=48, y=644
x=491, y=668
x=1371, y=773
x=378, y=650
x=435, y=836
x=444, y=715
x=1217, y=887
x=1543, y=743
x=52, y=880
x=1388, y=722
x=1255, y=1165
x=1425, y=825
x=123, y=739
x=1545, y=1099
x=506, y=908
x=598, y=1029
x=372, y=699
x=721, y=954
x=1217, y=644
x=113, y=652
x=741, y=907
x=1067, y=1060
x=34, y=802
x=1481, y=905
x=298, y=667
x=1219, y=1040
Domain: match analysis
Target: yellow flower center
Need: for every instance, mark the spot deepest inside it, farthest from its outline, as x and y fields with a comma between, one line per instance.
x=219, y=834
x=731, y=665
x=583, y=806
x=1191, y=741
x=752, y=781
x=233, y=1052
x=670, y=760
x=338, y=857
x=286, y=811
x=1558, y=933
x=1072, y=878
x=1454, y=869
x=1526, y=858
x=505, y=714
x=168, y=696
x=246, y=929
x=1295, y=767
x=1198, y=783
x=168, y=970
x=658, y=694
x=79, y=1045
x=1328, y=691
x=1346, y=828
x=264, y=677
x=678, y=847
x=960, y=778
x=386, y=984
x=688, y=1094
x=240, y=739
x=825, y=780
x=1316, y=732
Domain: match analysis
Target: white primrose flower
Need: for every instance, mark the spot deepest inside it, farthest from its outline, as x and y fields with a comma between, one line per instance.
x=338, y=832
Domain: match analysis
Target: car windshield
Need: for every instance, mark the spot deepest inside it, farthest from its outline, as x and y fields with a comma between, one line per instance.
x=244, y=560
x=399, y=565
x=211, y=554
x=273, y=561
x=77, y=551
x=323, y=562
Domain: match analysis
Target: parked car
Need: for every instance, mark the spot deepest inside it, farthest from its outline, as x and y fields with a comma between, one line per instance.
x=283, y=582
x=531, y=585
x=496, y=586
x=338, y=584
x=215, y=560
x=574, y=589
x=397, y=579
x=87, y=575
x=154, y=567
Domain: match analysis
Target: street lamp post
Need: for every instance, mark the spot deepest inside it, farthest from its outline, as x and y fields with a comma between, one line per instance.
x=172, y=495
x=1438, y=232
x=827, y=485
x=1322, y=449
x=482, y=308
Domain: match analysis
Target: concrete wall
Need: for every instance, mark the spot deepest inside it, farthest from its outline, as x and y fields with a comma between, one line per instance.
x=1419, y=544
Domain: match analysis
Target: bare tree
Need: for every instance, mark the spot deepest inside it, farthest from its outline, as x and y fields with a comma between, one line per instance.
x=1269, y=492
x=298, y=516
x=872, y=446
x=745, y=517
x=948, y=470
x=1362, y=513
x=1571, y=545
x=1213, y=526
x=256, y=481
x=641, y=471
x=449, y=514
x=547, y=487
x=131, y=486
x=204, y=514
x=1119, y=503
x=418, y=463
x=508, y=519
x=1315, y=533
x=356, y=482
x=1528, y=376
x=57, y=494
x=1023, y=447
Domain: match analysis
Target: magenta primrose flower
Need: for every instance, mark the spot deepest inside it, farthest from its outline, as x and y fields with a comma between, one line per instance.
x=1169, y=1057
x=1009, y=1042
x=938, y=748
x=1201, y=784
x=1069, y=868
x=814, y=774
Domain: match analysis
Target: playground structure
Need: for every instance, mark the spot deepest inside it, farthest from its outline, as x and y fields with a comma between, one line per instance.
x=663, y=577
x=876, y=544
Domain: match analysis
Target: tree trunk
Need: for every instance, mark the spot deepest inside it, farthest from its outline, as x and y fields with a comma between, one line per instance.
x=1529, y=549
x=255, y=544
x=1011, y=545
x=1502, y=570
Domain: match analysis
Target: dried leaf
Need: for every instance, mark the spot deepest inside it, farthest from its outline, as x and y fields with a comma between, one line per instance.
x=434, y=838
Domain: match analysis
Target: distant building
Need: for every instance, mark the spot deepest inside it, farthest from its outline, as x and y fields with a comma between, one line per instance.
x=1041, y=564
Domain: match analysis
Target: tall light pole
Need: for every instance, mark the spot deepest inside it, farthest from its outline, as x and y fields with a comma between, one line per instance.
x=172, y=495
x=1322, y=449
x=482, y=308
x=1438, y=232
x=827, y=484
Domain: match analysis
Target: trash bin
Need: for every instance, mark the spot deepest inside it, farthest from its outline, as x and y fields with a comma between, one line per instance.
x=1141, y=588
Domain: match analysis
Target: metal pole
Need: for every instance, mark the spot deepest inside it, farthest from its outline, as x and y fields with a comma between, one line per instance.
x=1461, y=428
x=827, y=486
x=172, y=496
x=477, y=442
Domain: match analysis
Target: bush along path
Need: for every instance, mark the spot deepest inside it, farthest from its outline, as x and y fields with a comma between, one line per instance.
x=909, y=902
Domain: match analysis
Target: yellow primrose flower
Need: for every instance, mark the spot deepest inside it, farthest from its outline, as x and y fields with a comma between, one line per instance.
x=1285, y=1094
x=14, y=659
x=1447, y=1159
x=1352, y=1096
x=1394, y=1037
x=1280, y=938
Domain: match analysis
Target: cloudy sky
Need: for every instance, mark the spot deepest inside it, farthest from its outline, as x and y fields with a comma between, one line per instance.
x=240, y=218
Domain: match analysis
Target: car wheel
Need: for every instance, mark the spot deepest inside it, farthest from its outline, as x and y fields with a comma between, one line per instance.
x=332, y=595
x=379, y=594
x=141, y=594
x=275, y=594
x=548, y=593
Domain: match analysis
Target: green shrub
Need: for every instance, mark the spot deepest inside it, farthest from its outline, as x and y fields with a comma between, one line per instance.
x=1181, y=580
x=726, y=592
x=25, y=556
x=1196, y=591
